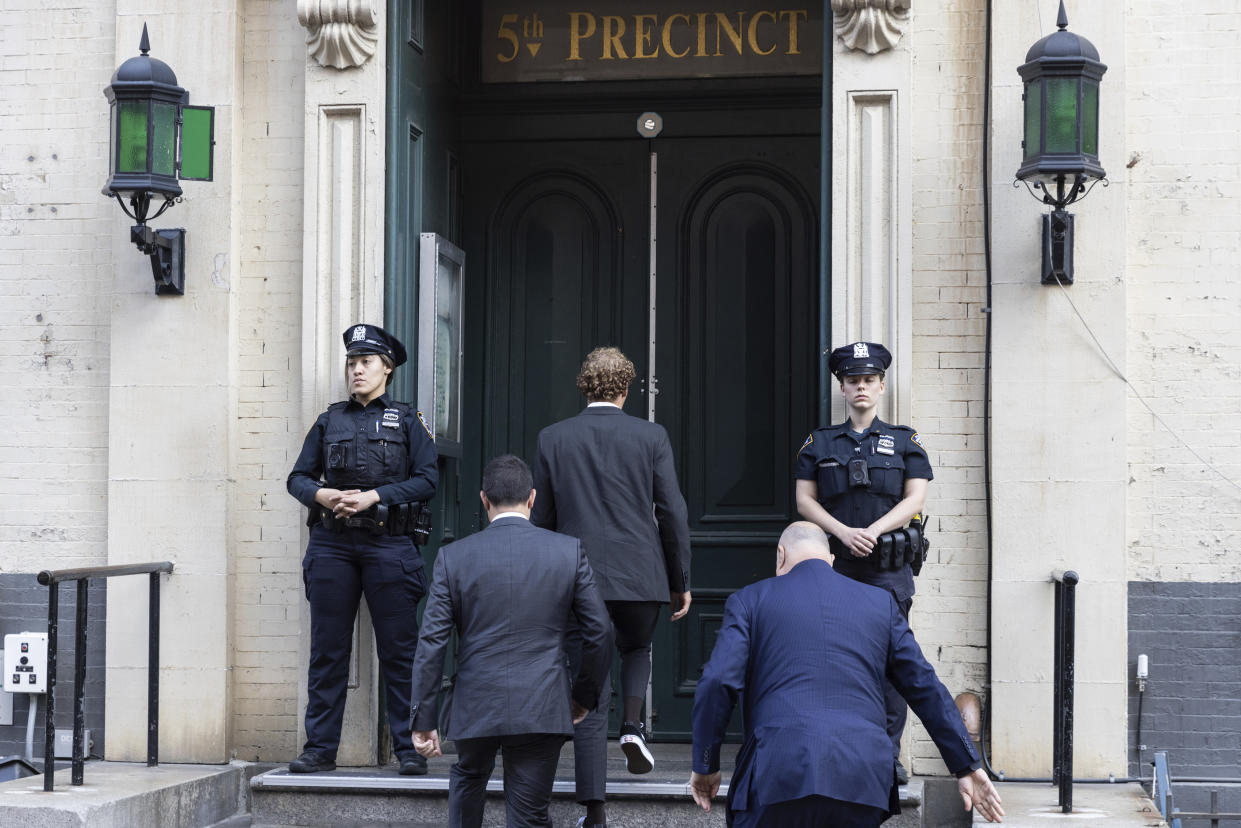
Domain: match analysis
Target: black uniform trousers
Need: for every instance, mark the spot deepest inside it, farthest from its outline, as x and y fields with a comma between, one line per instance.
x=337, y=570
x=529, y=771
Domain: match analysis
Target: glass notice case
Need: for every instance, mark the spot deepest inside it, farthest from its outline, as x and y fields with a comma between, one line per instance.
x=440, y=272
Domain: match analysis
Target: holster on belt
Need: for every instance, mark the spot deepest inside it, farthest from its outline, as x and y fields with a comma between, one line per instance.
x=896, y=549
x=412, y=519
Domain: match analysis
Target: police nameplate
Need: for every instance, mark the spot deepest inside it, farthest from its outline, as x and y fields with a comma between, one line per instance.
x=558, y=40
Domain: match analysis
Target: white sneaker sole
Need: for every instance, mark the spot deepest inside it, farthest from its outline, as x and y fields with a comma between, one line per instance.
x=637, y=758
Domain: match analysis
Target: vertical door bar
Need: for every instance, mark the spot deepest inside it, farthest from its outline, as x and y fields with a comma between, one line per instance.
x=825, y=218
x=652, y=386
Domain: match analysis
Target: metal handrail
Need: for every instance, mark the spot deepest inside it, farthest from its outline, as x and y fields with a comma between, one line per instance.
x=52, y=579
x=1066, y=624
x=1161, y=792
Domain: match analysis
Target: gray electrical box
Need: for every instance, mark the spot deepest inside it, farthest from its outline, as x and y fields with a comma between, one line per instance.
x=6, y=708
x=25, y=662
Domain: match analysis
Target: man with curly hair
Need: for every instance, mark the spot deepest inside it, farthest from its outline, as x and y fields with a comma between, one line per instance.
x=608, y=479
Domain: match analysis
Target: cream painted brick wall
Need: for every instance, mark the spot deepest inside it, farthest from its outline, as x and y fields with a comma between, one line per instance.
x=1184, y=346
x=949, y=327
x=55, y=279
x=266, y=521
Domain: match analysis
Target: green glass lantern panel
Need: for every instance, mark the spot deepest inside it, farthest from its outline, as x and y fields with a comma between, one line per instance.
x=197, y=132
x=1090, y=118
x=131, y=137
x=1034, y=116
x=1061, y=115
x=164, y=139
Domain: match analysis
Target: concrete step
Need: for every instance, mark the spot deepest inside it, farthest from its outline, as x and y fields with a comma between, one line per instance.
x=125, y=795
x=373, y=797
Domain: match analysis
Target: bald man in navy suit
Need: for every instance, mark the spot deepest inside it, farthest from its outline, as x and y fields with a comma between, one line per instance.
x=807, y=653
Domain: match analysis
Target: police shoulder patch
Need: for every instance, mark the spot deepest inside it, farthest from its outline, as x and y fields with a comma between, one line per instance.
x=809, y=440
x=916, y=440
x=425, y=427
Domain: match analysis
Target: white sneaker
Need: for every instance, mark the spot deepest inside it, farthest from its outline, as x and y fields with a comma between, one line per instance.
x=638, y=758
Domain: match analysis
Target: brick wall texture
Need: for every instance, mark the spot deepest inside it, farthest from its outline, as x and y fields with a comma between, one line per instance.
x=949, y=294
x=266, y=521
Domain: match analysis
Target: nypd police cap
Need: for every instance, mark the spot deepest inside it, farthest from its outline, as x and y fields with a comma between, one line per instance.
x=859, y=359
x=372, y=339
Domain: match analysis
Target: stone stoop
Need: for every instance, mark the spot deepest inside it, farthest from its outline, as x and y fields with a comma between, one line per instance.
x=369, y=798
x=128, y=795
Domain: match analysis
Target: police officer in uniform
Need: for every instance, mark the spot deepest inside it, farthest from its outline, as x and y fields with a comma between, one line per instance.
x=365, y=472
x=863, y=481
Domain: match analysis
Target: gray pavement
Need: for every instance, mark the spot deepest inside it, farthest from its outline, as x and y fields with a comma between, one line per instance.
x=1032, y=805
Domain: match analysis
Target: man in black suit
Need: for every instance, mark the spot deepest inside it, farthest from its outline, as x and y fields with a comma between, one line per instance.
x=509, y=592
x=609, y=479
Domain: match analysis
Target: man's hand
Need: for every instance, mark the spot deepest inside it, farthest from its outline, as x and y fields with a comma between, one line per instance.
x=978, y=793
x=680, y=602
x=859, y=542
x=579, y=713
x=427, y=743
x=704, y=788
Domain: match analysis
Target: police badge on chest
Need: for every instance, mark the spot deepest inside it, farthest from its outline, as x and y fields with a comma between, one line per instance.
x=391, y=418
x=886, y=444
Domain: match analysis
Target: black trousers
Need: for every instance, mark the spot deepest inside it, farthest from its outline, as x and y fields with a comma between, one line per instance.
x=811, y=812
x=337, y=570
x=633, y=627
x=529, y=771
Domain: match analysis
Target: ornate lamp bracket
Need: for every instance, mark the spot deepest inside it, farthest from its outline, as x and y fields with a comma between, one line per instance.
x=871, y=25
x=340, y=33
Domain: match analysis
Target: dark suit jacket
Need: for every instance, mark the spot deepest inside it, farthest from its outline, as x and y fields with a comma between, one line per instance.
x=598, y=475
x=508, y=591
x=808, y=652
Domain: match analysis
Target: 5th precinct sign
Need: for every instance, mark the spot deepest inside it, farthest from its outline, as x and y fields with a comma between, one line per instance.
x=562, y=40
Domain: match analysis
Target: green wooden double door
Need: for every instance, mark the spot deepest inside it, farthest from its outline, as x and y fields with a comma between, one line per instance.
x=715, y=301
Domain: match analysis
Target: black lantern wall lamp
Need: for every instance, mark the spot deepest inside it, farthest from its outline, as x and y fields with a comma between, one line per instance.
x=156, y=140
x=1060, y=162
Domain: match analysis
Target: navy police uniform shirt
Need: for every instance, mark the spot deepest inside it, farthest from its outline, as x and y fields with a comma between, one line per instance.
x=384, y=446
x=892, y=454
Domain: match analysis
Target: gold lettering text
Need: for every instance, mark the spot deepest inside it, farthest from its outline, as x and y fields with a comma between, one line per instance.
x=722, y=23
x=507, y=33
x=613, y=31
x=702, y=35
x=668, y=35
x=643, y=29
x=793, y=24
x=576, y=32
x=753, y=32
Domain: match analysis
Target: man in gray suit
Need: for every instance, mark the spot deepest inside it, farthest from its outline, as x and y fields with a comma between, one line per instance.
x=609, y=479
x=509, y=592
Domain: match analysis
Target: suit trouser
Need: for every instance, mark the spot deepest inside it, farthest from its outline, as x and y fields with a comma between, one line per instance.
x=810, y=812
x=633, y=626
x=896, y=707
x=529, y=771
x=337, y=570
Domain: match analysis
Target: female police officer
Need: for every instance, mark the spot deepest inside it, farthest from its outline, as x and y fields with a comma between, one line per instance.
x=860, y=481
x=366, y=465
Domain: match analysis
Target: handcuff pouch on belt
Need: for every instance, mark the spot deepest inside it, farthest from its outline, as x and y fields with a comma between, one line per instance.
x=893, y=550
x=399, y=519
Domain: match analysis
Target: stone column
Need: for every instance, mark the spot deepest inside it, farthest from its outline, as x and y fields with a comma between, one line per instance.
x=346, y=73
x=1058, y=457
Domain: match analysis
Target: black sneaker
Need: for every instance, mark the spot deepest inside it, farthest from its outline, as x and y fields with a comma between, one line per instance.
x=312, y=762
x=414, y=765
x=902, y=775
x=638, y=758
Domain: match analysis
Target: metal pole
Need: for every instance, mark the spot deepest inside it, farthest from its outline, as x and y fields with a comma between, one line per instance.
x=1057, y=720
x=79, y=684
x=1070, y=634
x=49, y=721
x=153, y=674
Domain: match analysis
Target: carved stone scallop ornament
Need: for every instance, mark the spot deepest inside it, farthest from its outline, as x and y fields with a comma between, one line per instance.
x=342, y=33
x=870, y=25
